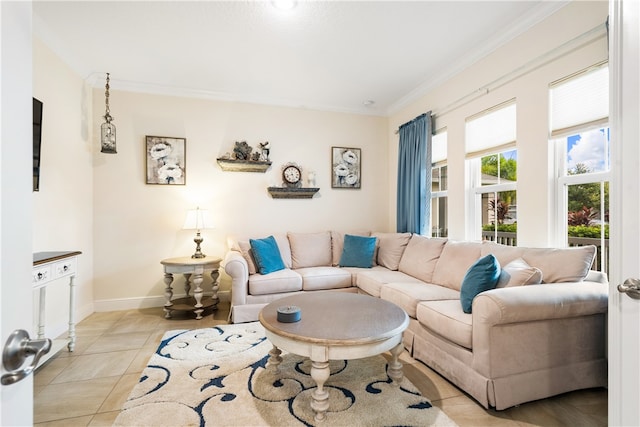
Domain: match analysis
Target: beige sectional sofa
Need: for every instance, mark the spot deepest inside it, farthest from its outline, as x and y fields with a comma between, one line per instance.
x=541, y=332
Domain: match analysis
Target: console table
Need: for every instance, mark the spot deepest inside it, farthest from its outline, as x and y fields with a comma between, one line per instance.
x=193, y=270
x=48, y=267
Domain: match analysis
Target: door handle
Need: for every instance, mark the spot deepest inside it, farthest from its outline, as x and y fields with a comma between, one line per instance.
x=18, y=347
x=630, y=287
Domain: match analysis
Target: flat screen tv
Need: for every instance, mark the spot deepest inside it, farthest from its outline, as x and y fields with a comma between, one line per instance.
x=37, y=139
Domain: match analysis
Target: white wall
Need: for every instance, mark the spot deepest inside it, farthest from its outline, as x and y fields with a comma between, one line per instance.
x=535, y=166
x=137, y=225
x=63, y=208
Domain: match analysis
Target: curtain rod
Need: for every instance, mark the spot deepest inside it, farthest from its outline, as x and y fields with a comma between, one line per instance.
x=571, y=45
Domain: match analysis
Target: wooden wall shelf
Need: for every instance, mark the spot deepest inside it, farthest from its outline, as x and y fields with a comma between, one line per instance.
x=229, y=165
x=292, y=193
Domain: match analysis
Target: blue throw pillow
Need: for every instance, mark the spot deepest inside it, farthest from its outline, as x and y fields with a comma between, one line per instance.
x=358, y=251
x=481, y=276
x=267, y=255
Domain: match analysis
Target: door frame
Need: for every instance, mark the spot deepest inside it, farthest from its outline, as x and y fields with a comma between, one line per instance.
x=624, y=312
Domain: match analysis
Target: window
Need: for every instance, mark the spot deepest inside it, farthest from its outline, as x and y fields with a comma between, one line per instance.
x=439, y=185
x=492, y=163
x=579, y=131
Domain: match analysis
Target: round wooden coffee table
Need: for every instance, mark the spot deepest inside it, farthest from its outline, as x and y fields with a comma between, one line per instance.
x=335, y=326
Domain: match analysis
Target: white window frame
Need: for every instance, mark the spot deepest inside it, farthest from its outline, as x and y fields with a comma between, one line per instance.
x=505, y=142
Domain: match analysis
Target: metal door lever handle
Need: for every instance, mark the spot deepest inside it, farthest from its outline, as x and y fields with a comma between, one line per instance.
x=16, y=351
x=630, y=287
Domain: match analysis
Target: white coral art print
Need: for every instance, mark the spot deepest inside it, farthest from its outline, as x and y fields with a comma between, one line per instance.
x=166, y=160
x=345, y=167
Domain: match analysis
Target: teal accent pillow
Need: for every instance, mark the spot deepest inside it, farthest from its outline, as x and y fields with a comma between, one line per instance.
x=266, y=255
x=482, y=276
x=358, y=251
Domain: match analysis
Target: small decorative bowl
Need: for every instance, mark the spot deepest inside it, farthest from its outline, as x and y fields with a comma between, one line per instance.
x=289, y=314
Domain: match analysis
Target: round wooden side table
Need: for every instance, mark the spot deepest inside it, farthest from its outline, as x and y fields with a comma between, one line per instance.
x=193, y=270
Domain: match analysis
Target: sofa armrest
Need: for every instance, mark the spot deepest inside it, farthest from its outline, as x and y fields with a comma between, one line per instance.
x=538, y=327
x=236, y=267
x=539, y=302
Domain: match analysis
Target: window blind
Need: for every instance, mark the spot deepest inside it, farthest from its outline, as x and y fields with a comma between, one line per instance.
x=495, y=127
x=580, y=100
x=439, y=147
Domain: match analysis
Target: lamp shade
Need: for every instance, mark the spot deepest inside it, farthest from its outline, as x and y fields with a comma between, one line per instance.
x=198, y=219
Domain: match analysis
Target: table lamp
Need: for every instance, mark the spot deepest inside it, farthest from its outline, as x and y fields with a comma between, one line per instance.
x=197, y=219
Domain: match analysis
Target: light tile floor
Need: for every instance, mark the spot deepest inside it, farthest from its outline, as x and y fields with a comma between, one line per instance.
x=89, y=386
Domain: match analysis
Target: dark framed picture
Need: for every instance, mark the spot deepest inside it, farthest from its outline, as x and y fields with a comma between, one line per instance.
x=166, y=160
x=345, y=167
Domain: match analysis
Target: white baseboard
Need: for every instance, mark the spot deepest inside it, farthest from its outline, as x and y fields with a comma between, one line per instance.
x=142, y=302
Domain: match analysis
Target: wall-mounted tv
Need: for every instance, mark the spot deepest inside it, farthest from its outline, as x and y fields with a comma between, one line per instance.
x=37, y=138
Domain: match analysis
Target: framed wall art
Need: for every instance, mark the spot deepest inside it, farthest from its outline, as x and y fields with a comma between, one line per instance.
x=166, y=158
x=345, y=167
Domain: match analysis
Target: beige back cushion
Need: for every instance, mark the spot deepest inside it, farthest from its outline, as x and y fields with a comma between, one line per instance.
x=421, y=256
x=310, y=249
x=561, y=265
x=455, y=260
x=391, y=247
x=503, y=253
x=337, y=244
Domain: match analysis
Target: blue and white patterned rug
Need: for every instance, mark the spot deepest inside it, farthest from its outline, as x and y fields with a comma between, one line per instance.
x=217, y=376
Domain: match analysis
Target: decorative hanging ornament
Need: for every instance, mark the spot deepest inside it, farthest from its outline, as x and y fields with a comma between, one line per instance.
x=108, y=129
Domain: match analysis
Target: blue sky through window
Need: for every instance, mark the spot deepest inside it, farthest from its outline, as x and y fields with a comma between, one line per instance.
x=589, y=148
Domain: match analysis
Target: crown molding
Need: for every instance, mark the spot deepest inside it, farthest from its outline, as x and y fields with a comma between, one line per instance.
x=533, y=17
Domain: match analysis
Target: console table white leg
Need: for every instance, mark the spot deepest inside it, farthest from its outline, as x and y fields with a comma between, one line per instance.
x=72, y=318
x=395, y=366
x=168, y=294
x=197, y=293
x=41, y=311
x=320, y=373
x=274, y=359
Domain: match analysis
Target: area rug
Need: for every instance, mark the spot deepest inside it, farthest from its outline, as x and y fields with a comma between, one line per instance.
x=219, y=377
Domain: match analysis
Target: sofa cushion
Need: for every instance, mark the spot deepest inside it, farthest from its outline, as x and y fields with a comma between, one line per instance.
x=266, y=255
x=421, y=256
x=337, y=244
x=446, y=319
x=482, y=276
x=244, y=247
x=391, y=247
x=273, y=283
x=371, y=281
x=504, y=253
x=318, y=278
x=561, y=265
x=454, y=261
x=519, y=273
x=358, y=251
x=310, y=249
x=408, y=295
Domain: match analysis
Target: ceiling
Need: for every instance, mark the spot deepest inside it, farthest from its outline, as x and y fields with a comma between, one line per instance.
x=327, y=55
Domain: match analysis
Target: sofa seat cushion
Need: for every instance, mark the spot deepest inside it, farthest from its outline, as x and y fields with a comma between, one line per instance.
x=279, y=281
x=446, y=319
x=318, y=278
x=372, y=280
x=408, y=295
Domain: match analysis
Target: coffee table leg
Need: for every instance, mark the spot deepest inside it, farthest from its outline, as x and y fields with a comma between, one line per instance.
x=320, y=373
x=395, y=366
x=274, y=358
